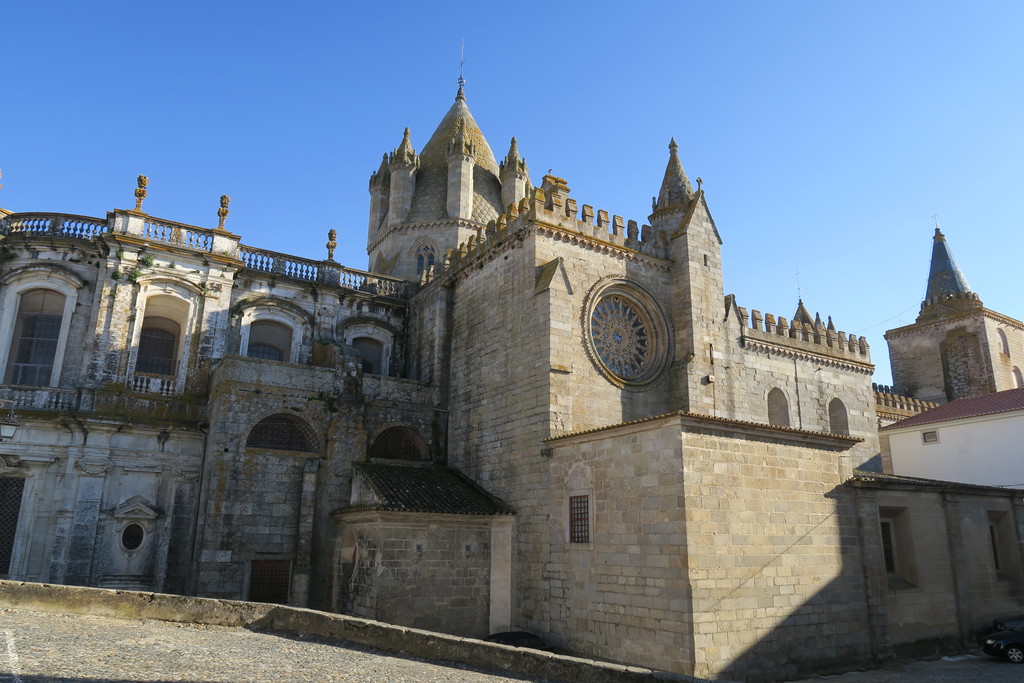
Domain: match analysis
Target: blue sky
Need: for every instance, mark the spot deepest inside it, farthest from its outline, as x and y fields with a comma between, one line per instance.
x=827, y=133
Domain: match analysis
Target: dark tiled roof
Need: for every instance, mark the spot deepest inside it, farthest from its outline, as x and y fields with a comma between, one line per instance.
x=989, y=404
x=944, y=277
x=865, y=476
x=412, y=488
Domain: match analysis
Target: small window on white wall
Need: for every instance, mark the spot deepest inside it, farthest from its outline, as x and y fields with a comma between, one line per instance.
x=269, y=340
x=930, y=437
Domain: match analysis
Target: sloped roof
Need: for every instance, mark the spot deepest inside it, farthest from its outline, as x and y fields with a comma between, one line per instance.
x=989, y=404
x=417, y=488
x=878, y=477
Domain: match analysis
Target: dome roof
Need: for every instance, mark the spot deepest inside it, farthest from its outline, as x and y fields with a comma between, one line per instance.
x=430, y=201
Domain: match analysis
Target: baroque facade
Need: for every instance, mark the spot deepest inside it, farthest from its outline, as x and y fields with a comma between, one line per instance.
x=528, y=414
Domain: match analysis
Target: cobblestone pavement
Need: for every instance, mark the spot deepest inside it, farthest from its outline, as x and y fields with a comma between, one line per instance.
x=38, y=646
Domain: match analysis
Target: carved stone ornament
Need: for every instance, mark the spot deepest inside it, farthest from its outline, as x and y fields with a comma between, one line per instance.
x=9, y=464
x=94, y=467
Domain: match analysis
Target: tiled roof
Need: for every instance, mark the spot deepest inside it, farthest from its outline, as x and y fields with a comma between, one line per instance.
x=944, y=277
x=865, y=476
x=412, y=488
x=989, y=404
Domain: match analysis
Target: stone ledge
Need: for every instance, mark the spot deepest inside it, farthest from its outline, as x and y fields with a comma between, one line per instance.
x=118, y=604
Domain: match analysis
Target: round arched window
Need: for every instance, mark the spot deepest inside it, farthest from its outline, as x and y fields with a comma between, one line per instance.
x=132, y=536
x=628, y=335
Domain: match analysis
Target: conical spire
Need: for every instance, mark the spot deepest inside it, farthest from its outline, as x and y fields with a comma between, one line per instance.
x=944, y=278
x=675, y=187
x=458, y=121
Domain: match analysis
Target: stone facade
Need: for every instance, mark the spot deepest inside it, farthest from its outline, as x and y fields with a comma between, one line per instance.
x=543, y=417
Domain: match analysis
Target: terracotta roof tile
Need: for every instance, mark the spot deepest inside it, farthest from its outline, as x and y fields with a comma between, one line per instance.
x=989, y=404
x=413, y=488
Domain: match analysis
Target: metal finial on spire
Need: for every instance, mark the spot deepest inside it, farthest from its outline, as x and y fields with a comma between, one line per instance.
x=462, y=62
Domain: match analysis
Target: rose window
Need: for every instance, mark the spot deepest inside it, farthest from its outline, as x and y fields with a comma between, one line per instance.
x=621, y=337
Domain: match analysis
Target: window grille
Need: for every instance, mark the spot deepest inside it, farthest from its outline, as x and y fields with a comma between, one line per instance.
x=270, y=581
x=399, y=443
x=265, y=352
x=10, y=508
x=156, y=352
x=579, y=519
x=284, y=433
x=34, y=342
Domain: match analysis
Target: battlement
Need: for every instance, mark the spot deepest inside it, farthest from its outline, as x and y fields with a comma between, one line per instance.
x=551, y=205
x=817, y=339
x=892, y=407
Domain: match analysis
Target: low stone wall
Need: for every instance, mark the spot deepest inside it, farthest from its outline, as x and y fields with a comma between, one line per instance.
x=41, y=597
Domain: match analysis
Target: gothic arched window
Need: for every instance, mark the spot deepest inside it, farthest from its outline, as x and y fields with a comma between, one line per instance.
x=778, y=408
x=838, y=420
x=1004, y=344
x=1018, y=379
x=424, y=258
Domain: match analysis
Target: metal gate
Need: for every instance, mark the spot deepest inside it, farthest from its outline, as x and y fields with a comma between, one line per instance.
x=270, y=581
x=10, y=508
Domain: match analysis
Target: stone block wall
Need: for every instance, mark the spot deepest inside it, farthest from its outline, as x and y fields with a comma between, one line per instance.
x=411, y=569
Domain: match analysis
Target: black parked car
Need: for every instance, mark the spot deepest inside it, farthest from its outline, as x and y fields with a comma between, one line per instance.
x=1006, y=643
x=1008, y=623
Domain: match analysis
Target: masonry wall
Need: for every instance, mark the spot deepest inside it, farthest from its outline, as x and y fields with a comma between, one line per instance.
x=774, y=563
x=423, y=571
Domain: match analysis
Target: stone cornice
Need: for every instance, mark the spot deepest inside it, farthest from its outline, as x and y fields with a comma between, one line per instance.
x=763, y=346
x=984, y=312
x=406, y=227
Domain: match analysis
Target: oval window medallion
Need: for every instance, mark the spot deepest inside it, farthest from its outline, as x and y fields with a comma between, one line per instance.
x=132, y=537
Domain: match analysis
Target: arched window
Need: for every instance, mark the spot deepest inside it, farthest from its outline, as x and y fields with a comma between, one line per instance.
x=838, y=420
x=158, y=346
x=1004, y=343
x=284, y=433
x=372, y=353
x=424, y=258
x=36, y=333
x=269, y=340
x=778, y=408
x=1018, y=379
x=399, y=443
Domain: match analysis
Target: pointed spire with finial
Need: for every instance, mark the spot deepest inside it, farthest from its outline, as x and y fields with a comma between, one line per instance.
x=676, y=190
x=404, y=154
x=948, y=290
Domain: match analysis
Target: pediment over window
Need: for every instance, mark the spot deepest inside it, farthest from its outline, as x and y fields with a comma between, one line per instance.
x=136, y=507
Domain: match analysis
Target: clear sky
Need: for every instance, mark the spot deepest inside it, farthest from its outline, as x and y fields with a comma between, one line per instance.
x=827, y=133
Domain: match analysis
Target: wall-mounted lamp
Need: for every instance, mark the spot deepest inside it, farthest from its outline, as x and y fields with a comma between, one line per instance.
x=9, y=422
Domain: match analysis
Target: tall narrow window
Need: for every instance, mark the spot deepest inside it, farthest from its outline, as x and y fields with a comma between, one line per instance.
x=424, y=258
x=269, y=340
x=993, y=537
x=1018, y=379
x=778, y=408
x=36, y=333
x=1004, y=344
x=888, y=547
x=158, y=346
x=838, y=421
x=579, y=519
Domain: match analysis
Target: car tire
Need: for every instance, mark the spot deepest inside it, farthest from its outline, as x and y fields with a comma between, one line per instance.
x=1015, y=654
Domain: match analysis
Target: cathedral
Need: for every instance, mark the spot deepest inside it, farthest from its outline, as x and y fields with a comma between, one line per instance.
x=526, y=414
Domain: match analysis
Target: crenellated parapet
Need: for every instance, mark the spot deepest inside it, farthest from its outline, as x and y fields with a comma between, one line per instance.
x=550, y=207
x=892, y=407
x=770, y=333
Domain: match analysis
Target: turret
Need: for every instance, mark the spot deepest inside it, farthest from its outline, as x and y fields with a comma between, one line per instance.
x=461, y=159
x=515, y=176
x=380, y=190
x=675, y=196
x=403, y=164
